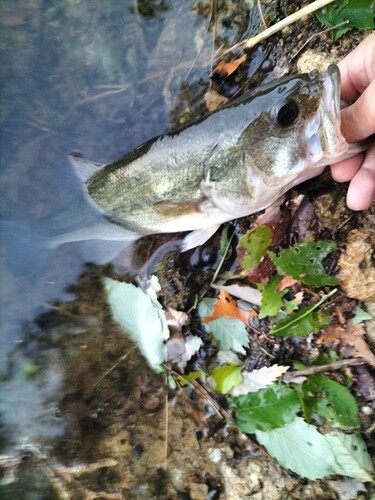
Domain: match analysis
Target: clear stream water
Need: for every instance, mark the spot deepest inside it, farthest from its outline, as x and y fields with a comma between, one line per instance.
x=93, y=77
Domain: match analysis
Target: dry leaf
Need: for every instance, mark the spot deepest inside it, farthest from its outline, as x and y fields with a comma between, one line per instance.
x=181, y=349
x=246, y=293
x=258, y=379
x=271, y=214
x=226, y=306
x=349, y=339
x=227, y=68
x=298, y=297
x=214, y=100
x=175, y=319
x=286, y=282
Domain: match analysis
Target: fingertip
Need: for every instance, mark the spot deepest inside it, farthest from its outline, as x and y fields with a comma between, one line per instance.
x=357, y=202
x=345, y=170
x=361, y=192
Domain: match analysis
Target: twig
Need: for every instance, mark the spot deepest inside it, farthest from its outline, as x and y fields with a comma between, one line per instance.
x=296, y=16
x=210, y=400
x=106, y=373
x=101, y=95
x=212, y=16
x=259, y=4
x=319, y=34
x=199, y=389
x=198, y=297
x=166, y=431
x=223, y=257
x=331, y=367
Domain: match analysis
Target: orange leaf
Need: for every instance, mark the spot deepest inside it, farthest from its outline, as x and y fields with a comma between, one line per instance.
x=350, y=340
x=286, y=282
x=225, y=305
x=227, y=68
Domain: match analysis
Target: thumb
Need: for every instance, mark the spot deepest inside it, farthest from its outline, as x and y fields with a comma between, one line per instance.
x=358, y=120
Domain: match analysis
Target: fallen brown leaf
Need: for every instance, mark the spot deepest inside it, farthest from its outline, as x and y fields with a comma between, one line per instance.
x=286, y=282
x=349, y=340
x=227, y=68
x=214, y=100
x=226, y=306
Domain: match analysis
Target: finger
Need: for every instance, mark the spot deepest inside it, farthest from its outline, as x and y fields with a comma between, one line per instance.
x=361, y=192
x=358, y=120
x=358, y=69
x=345, y=170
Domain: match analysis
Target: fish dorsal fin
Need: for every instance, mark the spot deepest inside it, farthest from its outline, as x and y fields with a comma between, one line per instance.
x=84, y=169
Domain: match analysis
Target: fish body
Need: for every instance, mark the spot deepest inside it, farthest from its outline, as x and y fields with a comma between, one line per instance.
x=231, y=163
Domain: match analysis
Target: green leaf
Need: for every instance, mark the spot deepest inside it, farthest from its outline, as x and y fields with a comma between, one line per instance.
x=303, y=322
x=360, y=315
x=266, y=409
x=351, y=455
x=304, y=262
x=226, y=377
x=359, y=13
x=230, y=333
x=290, y=305
x=299, y=447
x=253, y=246
x=185, y=379
x=329, y=399
x=205, y=307
x=140, y=318
x=323, y=358
x=271, y=299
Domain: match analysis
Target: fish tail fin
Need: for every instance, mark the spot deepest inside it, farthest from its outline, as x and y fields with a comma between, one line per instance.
x=27, y=253
x=102, y=252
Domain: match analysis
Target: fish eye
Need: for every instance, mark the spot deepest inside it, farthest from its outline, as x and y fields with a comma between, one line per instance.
x=287, y=114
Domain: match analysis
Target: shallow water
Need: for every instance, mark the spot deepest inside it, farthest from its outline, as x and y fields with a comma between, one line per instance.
x=98, y=78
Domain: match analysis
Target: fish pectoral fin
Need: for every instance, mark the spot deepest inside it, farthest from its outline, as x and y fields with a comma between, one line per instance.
x=84, y=169
x=177, y=208
x=198, y=237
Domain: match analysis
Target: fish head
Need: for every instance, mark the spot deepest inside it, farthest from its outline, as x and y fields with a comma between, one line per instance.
x=296, y=130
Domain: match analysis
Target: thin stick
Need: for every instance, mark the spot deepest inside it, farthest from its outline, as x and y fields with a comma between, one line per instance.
x=212, y=16
x=259, y=3
x=105, y=374
x=199, y=389
x=319, y=34
x=296, y=16
x=210, y=400
x=166, y=431
x=336, y=365
x=217, y=271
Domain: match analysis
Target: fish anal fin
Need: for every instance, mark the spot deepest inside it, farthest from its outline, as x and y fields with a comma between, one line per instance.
x=198, y=237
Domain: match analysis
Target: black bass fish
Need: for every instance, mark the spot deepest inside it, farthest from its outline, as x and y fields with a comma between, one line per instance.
x=231, y=163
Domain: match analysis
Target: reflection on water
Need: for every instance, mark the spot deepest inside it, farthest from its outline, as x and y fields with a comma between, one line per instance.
x=98, y=78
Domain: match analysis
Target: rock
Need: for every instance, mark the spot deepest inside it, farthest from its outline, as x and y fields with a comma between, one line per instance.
x=311, y=59
x=357, y=272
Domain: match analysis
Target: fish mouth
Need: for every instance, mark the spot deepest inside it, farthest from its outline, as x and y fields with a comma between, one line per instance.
x=333, y=143
x=325, y=141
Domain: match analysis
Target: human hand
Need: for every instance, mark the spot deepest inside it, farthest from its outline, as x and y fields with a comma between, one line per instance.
x=358, y=122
